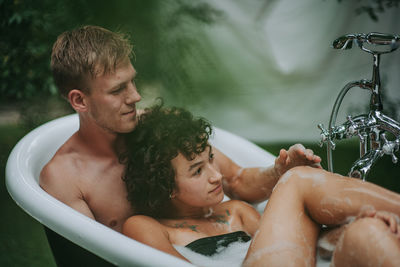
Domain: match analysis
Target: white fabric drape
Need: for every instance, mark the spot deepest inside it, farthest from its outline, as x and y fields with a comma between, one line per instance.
x=280, y=74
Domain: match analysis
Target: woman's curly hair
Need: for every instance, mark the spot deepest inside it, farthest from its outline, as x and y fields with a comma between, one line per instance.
x=161, y=133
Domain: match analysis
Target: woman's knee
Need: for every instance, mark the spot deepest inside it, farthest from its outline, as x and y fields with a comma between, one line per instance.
x=367, y=240
x=362, y=230
x=303, y=177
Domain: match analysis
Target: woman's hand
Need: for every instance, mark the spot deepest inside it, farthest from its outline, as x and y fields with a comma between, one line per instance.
x=390, y=219
x=297, y=155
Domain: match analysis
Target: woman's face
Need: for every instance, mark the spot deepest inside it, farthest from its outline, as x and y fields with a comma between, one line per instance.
x=198, y=182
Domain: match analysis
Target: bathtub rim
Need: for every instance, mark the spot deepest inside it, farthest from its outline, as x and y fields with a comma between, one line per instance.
x=22, y=171
x=87, y=233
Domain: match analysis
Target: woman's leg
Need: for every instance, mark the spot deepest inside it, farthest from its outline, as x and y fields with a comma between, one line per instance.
x=303, y=199
x=367, y=242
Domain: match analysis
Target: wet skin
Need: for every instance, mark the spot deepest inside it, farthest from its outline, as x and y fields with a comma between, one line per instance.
x=85, y=172
x=195, y=210
x=304, y=199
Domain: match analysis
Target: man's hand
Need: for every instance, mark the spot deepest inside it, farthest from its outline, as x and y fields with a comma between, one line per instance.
x=297, y=155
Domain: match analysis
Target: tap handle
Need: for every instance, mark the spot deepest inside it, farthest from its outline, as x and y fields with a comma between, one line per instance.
x=324, y=134
x=353, y=127
x=325, y=137
x=352, y=130
x=394, y=159
x=390, y=147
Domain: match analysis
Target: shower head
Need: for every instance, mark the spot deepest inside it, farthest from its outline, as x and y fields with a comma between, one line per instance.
x=377, y=38
x=344, y=42
x=374, y=42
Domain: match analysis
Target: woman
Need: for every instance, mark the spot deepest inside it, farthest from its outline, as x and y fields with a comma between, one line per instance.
x=176, y=190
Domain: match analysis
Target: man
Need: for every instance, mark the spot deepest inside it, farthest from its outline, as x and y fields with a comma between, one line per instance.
x=92, y=69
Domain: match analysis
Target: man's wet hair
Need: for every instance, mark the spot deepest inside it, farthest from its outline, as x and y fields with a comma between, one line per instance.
x=84, y=53
x=161, y=133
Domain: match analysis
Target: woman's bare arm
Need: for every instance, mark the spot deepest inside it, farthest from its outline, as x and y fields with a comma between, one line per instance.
x=249, y=216
x=150, y=232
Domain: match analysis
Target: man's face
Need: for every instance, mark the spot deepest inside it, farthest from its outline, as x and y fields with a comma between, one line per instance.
x=112, y=99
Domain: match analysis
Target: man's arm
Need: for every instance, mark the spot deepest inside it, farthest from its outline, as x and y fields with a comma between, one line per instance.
x=59, y=186
x=256, y=184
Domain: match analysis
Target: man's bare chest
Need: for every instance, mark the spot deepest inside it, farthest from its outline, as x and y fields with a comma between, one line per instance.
x=105, y=193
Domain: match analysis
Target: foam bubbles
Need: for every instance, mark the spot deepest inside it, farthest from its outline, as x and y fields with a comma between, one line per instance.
x=209, y=213
x=233, y=255
x=318, y=178
x=373, y=194
x=276, y=248
x=285, y=177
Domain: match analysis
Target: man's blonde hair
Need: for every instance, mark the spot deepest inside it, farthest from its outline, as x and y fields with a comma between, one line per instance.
x=84, y=53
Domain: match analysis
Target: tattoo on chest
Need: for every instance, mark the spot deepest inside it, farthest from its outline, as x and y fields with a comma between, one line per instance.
x=218, y=218
x=192, y=227
x=221, y=218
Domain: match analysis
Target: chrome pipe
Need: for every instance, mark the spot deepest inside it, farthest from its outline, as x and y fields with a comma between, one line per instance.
x=332, y=120
x=369, y=128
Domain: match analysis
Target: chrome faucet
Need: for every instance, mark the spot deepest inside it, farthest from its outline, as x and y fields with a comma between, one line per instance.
x=370, y=128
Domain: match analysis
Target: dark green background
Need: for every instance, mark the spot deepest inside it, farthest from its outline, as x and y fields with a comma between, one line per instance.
x=27, y=32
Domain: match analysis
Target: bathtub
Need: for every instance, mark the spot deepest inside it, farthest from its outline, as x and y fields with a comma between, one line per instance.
x=75, y=238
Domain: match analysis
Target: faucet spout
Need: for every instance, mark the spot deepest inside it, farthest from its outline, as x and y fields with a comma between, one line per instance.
x=362, y=166
x=386, y=123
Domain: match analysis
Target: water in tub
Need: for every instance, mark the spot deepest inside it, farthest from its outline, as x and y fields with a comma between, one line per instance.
x=232, y=255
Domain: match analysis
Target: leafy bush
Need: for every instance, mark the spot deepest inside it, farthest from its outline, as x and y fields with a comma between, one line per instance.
x=27, y=32
x=374, y=7
x=28, y=29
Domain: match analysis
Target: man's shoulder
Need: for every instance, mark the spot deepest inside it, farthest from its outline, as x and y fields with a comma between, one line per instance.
x=62, y=166
x=60, y=163
x=61, y=178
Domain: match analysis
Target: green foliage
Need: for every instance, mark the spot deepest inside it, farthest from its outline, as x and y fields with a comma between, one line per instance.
x=20, y=234
x=24, y=48
x=166, y=37
x=29, y=28
x=374, y=7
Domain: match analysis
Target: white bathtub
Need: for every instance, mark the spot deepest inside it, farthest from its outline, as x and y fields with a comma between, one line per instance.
x=36, y=148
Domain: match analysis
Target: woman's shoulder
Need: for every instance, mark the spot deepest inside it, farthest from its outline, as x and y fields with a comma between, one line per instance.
x=247, y=215
x=151, y=232
x=234, y=208
x=235, y=205
x=138, y=225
